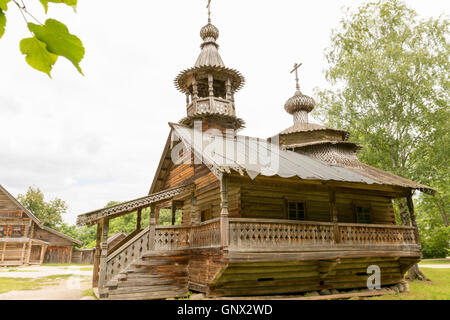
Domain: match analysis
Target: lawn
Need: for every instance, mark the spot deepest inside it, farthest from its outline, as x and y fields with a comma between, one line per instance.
x=436, y=289
x=434, y=261
x=10, y=284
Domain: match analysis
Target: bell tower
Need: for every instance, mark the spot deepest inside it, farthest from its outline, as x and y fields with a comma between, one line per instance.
x=210, y=86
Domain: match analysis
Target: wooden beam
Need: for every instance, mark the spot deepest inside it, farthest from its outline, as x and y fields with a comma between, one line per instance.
x=3, y=251
x=97, y=255
x=104, y=255
x=334, y=215
x=22, y=258
x=224, y=220
x=138, y=219
x=174, y=209
x=43, y=249
x=412, y=215
x=152, y=225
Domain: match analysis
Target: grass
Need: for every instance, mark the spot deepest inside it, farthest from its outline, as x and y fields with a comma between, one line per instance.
x=436, y=289
x=434, y=261
x=12, y=284
x=89, y=293
x=65, y=265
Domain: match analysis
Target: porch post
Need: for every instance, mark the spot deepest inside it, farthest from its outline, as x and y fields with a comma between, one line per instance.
x=195, y=218
x=43, y=249
x=224, y=220
x=152, y=224
x=412, y=215
x=174, y=210
x=103, y=257
x=138, y=219
x=334, y=217
x=97, y=255
x=3, y=251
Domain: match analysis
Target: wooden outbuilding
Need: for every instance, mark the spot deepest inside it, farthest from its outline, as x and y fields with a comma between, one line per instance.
x=25, y=240
x=296, y=212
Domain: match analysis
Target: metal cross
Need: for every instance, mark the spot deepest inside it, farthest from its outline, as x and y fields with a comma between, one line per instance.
x=209, y=10
x=296, y=66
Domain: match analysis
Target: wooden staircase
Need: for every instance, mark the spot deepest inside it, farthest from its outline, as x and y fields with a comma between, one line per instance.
x=154, y=275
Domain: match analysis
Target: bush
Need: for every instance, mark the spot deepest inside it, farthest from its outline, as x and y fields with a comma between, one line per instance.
x=435, y=242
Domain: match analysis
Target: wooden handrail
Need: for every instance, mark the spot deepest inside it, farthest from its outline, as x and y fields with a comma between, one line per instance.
x=124, y=246
x=123, y=241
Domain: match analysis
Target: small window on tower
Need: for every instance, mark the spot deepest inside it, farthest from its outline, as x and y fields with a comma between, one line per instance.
x=296, y=210
x=17, y=231
x=363, y=214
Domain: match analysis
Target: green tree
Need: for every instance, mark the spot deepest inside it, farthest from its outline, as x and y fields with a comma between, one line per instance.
x=50, y=213
x=48, y=40
x=390, y=70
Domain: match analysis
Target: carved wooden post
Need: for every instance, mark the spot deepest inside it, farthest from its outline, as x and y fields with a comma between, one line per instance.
x=228, y=87
x=211, y=85
x=333, y=214
x=410, y=203
x=138, y=219
x=195, y=218
x=152, y=224
x=97, y=255
x=224, y=220
x=104, y=255
x=174, y=210
x=195, y=89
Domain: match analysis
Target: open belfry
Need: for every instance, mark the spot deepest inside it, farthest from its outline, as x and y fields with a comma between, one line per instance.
x=312, y=217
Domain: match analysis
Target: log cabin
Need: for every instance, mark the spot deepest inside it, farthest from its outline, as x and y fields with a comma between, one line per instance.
x=291, y=213
x=24, y=240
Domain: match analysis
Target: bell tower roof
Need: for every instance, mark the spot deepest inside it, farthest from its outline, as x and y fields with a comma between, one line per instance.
x=209, y=85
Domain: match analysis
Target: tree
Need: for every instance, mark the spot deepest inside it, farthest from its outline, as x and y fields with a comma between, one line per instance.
x=48, y=40
x=49, y=213
x=391, y=70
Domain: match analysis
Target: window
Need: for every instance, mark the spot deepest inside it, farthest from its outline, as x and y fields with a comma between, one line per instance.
x=2, y=231
x=17, y=231
x=206, y=215
x=363, y=213
x=296, y=210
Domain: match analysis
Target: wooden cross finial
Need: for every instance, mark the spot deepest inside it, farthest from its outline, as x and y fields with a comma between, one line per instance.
x=296, y=66
x=209, y=11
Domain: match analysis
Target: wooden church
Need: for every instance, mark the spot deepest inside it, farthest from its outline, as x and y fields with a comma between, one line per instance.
x=292, y=213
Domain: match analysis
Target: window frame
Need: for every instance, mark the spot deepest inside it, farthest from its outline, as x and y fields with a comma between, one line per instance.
x=364, y=205
x=287, y=201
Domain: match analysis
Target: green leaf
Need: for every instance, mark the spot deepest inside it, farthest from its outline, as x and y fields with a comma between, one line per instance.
x=70, y=3
x=2, y=23
x=4, y=4
x=37, y=55
x=59, y=41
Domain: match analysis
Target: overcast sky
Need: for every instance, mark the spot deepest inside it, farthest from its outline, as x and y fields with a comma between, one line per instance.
x=92, y=139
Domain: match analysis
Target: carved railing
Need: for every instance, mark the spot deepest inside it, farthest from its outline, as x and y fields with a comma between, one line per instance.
x=211, y=105
x=207, y=234
x=172, y=237
x=264, y=233
x=257, y=233
x=125, y=255
x=375, y=234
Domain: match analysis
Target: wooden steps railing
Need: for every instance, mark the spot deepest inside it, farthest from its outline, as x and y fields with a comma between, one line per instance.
x=129, y=252
x=123, y=241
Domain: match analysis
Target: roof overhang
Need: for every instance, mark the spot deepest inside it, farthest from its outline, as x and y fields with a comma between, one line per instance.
x=121, y=209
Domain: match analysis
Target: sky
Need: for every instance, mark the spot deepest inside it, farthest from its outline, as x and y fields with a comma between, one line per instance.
x=99, y=137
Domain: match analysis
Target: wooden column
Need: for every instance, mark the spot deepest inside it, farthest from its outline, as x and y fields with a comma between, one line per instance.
x=97, y=255
x=3, y=251
x=30, y=244
x=138, y=219
x=174, y=210
x=412, y=215
x=43, y=249
x=195, y=217
x=224, y=220
x=103, y=257
x=24, y=248
x=152, y=225
x=211, y=85
x=228, y=86
x=195, y=89
x=334, y=215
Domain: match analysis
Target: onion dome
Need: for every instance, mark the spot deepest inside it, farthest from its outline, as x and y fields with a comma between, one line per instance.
x=299, y=102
